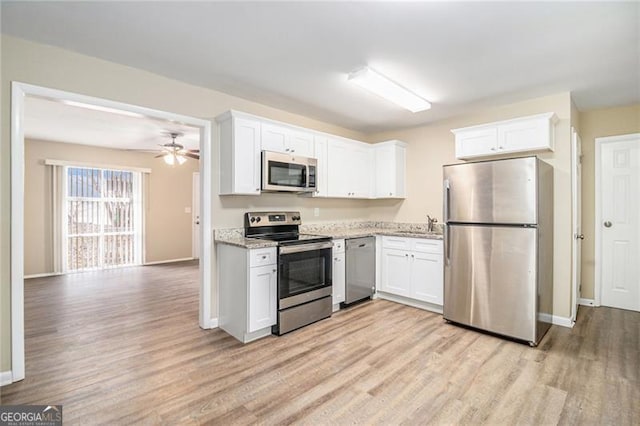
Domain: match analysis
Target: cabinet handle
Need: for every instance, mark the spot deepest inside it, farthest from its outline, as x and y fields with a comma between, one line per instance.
x=493, y=148
x=412, y=256
x=391, y=193
x=293, y=150
x=501, y=147
x=257, y=189
x=275, y=270
x=406, y=254
x=264, y=256
x=287, y=150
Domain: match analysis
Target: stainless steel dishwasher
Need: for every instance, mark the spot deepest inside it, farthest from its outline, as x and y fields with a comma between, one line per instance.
x=360, y=269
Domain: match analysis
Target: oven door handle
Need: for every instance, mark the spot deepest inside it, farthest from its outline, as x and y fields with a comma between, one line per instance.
x=299, y=248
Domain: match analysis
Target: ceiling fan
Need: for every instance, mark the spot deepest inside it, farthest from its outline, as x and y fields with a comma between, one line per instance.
x=173, y=152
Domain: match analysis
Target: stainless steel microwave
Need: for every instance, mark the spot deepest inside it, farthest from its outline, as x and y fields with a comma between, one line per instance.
x=286, y=172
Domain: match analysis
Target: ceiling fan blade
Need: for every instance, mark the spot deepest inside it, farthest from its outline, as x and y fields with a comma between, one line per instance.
x=195, y=151
x=191, y=155
x=161, y=155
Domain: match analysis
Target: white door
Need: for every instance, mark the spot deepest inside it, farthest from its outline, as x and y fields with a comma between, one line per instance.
x=195, y=213
x=338, y=278
x=426, y=277
x=619, y=221
x=395, y=272
x=576, y=208
x=262, y=297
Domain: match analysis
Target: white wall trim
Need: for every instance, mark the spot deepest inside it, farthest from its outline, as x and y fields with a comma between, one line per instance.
x=562, y=321
x=64, y=163
x=160, y=262
x=586, y=302
x=409, y=302
x=5, y=378
x=43, y=275
x=212, y=323
x=597, y=291
x=18, y=93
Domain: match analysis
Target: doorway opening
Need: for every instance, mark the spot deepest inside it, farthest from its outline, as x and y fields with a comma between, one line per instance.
x=105, y=239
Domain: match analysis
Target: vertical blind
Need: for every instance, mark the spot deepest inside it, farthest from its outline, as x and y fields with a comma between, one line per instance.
x=103, y=218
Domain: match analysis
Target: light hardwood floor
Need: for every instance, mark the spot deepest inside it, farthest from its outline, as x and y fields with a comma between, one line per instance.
x=123, y=346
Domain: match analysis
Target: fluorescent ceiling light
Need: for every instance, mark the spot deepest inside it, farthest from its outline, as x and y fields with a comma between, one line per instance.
x=388, y=89
x=101, y=108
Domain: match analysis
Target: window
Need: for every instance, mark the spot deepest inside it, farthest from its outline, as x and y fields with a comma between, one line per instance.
x=103, y=225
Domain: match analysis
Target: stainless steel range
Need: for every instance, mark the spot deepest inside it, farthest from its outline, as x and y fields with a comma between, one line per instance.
x=304, y=268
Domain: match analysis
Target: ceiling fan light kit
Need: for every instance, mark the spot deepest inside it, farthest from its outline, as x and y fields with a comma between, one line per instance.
x=174, y=153
x=388, y=89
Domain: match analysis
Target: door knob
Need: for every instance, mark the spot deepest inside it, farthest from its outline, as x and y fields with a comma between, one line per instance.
x=580, y=237
x=607, y=224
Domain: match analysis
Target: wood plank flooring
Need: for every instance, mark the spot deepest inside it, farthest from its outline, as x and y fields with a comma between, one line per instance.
x=124, y=347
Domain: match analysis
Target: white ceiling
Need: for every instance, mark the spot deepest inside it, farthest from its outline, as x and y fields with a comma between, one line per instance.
x=54, y=121
x=296, y=56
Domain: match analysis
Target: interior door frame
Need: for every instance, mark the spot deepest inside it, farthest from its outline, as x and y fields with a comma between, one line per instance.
x=599, y=142
x=195, y=215
x=18, y=93
x=576, y=216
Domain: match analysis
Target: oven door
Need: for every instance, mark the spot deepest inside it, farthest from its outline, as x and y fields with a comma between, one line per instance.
x=284, y=172
x=304, y=273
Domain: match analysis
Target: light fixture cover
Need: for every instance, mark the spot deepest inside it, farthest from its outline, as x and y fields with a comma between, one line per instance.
x=388, y=89
x=169, y=159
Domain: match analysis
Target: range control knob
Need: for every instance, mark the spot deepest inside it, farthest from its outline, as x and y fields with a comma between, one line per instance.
x=253, y=219
x=296, y=218
x=258, y=219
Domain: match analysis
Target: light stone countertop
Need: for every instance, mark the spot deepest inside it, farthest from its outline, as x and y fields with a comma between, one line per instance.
x=235, y=236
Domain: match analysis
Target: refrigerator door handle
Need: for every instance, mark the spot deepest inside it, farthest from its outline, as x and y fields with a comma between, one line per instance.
x=447, y=188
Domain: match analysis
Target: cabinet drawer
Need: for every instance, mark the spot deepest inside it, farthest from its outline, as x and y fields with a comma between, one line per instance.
x=426, y=245
x=262, y=257
x=395, y=243
x=338, y=246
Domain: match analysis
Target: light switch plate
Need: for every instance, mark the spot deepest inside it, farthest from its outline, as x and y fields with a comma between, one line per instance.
x=187, y=209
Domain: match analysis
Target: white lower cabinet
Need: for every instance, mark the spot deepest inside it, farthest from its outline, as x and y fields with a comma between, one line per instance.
x=412, y=268
x=262, y=297
x=248, y=292
x=338, y=272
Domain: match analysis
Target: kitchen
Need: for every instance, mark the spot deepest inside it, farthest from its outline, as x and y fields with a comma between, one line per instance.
x=428, y=147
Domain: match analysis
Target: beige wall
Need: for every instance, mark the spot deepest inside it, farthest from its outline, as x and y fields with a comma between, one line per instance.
x=56, y=68
x=594, y=124
x=167, y=192
x=430, y=147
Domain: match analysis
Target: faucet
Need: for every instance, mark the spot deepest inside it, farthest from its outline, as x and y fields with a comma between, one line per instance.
x=430, y=222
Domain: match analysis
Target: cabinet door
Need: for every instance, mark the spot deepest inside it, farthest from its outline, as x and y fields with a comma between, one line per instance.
x=339, y=174
x=361, y=159
x=338, y=277
x=385, y=178
x=301, y=143
x=395, y=272
x=525, y=135
x=262, y=297
x=246, y=159
x=426, y=277
x=473, y=143
x=322, y=172
x=275, y=138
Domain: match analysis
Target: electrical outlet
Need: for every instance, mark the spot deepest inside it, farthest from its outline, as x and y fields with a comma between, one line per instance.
x=316, y=211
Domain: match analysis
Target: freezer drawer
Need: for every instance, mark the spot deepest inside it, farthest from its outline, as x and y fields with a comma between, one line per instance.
x=490, y=279
x=501, y=191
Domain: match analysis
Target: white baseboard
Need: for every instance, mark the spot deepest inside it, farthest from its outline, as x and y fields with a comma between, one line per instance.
x=586, y=302
x=43, y=275
x=409, y=302
x=212, y=323
x=159, y=262
x=6, y=378
x=562, y=321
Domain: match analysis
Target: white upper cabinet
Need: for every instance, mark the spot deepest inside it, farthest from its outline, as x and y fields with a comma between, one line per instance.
x=286, y=140
x=239, y=155
x=349, y=169
x=322, y=173
x=532, y=133
x=390, y=176
x=346, y=168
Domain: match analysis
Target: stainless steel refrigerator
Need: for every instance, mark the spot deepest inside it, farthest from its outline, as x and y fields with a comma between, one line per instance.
x=498, y=241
